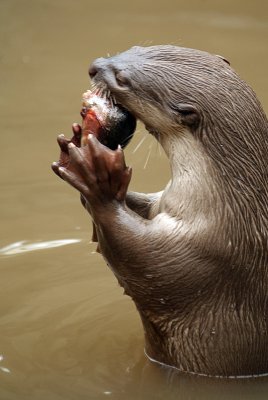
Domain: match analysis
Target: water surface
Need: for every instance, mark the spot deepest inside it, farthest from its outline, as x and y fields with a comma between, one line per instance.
x=66, y=330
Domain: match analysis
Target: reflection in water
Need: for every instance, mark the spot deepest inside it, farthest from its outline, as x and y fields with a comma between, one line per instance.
x=3, y=369
x=23, y=246
x=161, y=383
x=66, y=330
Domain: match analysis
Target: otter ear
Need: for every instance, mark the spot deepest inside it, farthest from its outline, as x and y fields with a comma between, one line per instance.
x=189, y=114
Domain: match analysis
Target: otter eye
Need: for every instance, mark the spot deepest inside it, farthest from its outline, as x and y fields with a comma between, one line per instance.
x=189, y=114
x=121, y=78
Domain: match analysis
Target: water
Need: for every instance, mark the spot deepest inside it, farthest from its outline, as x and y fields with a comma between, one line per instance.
x=66, y=330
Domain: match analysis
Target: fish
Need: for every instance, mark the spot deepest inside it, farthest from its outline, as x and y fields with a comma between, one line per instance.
x=108, y=121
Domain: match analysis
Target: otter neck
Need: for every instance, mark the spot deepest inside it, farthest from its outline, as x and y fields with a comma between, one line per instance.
x=183, y=151
x=192, y=190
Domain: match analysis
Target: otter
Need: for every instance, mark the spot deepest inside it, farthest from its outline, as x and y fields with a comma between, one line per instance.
x=193, y=257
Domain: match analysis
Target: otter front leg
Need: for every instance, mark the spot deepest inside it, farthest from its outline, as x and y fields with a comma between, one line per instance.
x=125, y=238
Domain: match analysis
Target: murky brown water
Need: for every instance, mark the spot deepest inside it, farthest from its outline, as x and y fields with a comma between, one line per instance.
x=66, y=330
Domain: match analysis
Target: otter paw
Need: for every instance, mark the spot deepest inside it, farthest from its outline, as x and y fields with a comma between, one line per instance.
x=63, y=143
x=97, y=172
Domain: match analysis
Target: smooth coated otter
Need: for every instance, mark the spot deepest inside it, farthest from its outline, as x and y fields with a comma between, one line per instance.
x=194, y=257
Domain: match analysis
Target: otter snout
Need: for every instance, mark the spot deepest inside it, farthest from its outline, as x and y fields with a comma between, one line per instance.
x=109, y=72
x=97, y=67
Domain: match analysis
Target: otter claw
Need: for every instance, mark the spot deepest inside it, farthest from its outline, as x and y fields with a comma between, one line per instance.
x=77, y=131
x=63, y=143
x=55, y=168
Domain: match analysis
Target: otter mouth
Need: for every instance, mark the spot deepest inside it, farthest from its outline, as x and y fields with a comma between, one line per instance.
x=106, y=90
x=102, y=89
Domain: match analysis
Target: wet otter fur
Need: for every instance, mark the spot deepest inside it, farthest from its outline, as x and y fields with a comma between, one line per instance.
x=194, y=257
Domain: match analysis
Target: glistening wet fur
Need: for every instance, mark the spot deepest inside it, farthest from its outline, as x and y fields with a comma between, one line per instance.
x=194, y=256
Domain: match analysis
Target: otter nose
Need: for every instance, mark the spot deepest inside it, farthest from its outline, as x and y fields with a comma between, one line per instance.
x=92, y=71
x=97, y=66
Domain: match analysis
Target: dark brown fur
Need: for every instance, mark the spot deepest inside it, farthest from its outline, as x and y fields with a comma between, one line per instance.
x=194, y=257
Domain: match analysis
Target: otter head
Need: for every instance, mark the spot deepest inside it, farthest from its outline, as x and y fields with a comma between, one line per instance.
x=190, y=93
x=144, y=80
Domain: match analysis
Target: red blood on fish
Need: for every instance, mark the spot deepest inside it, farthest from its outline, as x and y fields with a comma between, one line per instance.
x=91, y=124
